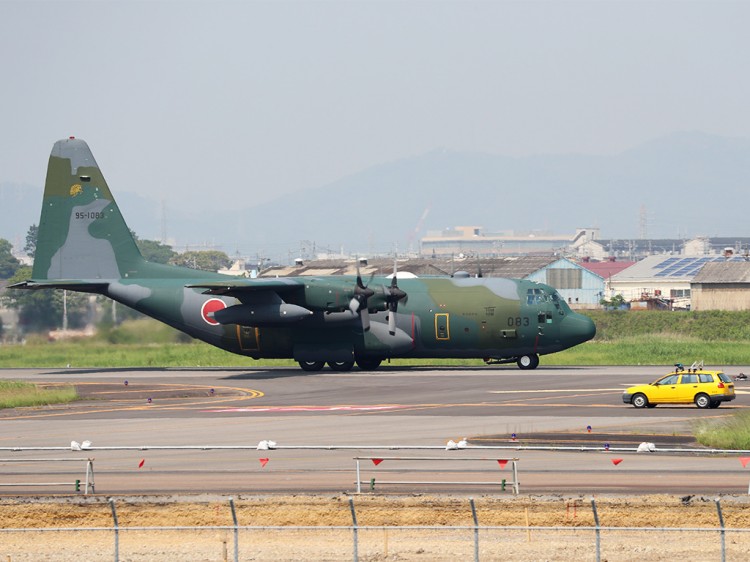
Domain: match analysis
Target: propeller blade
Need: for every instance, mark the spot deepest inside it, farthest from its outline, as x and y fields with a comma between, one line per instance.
x=358, y=304
x=393, y=295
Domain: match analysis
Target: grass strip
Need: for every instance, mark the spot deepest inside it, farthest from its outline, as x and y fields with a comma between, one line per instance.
x=726, y=433
x=16, y=394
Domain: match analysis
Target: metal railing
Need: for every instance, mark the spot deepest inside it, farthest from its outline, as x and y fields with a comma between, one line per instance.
x=502, y=462
x=88, y=475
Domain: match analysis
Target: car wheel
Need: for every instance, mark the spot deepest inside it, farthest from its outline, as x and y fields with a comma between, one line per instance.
x=702, y=401
x=342, y=366
x=311, y=365
x=640, y=400
x=527, y=362
x=715, y=404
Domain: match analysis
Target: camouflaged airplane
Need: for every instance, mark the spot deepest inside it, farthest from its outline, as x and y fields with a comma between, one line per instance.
x=84, y=245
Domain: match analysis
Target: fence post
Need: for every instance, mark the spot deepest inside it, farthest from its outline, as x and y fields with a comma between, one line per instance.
x=117, y=529
x=598, y=530
x=236, y=531
x=359, y=486
x=354, y=529
x=89, y=477
x=721, y=527
x=476, y=529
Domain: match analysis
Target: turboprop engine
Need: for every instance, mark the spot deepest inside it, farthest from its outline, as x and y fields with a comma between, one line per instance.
x=274, y=314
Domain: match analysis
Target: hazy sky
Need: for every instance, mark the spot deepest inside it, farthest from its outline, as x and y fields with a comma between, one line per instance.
x=232, y=103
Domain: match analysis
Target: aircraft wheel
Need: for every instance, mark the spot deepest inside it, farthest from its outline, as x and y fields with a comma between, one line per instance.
x=341, y=365
x=311, y=365
x=528, y=361
x=368, y=364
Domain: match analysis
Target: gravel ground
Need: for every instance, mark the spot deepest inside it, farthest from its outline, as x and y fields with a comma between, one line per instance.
x=399, y=540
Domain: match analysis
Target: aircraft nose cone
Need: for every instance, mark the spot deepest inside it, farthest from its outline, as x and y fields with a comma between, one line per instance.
x=578, y=328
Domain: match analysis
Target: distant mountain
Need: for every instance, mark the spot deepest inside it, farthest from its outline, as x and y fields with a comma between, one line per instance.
x=689, y=183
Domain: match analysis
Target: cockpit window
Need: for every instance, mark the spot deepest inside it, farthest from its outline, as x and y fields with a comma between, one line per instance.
x=535, y=296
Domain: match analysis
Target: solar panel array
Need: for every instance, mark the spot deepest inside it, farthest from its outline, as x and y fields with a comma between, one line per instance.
x=686, y=267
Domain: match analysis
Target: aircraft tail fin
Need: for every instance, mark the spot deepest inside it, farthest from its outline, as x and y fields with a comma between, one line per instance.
x=82, y=234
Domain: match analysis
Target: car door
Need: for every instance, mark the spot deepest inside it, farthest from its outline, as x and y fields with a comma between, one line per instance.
x=688, y=388
x=665, y=390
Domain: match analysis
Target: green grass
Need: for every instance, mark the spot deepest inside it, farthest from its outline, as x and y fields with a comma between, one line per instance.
x=653, y=349
x=14, y=394
x=726, y=433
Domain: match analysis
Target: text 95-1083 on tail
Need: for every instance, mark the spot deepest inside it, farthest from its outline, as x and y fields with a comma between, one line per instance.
x=85, y=245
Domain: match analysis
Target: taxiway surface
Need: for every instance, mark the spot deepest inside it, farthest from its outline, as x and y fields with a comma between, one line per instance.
x=143, y=410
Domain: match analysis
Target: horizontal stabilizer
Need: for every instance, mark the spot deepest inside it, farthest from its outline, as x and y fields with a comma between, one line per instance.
x=67, y=284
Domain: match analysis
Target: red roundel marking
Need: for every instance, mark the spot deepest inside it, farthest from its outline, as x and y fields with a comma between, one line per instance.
x=211, y=305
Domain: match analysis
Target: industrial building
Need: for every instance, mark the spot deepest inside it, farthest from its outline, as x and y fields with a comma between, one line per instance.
x=722, y=285
x=663, y=278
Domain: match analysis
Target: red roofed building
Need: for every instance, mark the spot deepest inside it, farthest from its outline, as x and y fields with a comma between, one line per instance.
x=605, y=269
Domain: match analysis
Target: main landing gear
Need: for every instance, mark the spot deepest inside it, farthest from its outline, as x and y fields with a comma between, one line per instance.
x=340, y=366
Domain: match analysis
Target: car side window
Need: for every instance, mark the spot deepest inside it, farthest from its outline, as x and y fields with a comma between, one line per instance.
x=689, y=379
x=706, y=378
x=672, y=379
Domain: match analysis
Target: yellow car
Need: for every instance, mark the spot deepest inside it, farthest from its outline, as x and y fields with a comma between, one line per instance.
x=707, y=389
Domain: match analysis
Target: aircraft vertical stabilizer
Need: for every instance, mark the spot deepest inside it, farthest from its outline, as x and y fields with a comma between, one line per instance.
x=82, y=234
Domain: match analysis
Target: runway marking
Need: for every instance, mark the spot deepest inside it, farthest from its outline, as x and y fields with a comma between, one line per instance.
x=552, y=390
x=310, y=409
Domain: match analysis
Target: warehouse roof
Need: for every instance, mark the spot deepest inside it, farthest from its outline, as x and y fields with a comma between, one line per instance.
x=724, y=272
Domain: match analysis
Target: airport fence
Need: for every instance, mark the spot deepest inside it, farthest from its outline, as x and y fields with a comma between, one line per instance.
x=356, y=541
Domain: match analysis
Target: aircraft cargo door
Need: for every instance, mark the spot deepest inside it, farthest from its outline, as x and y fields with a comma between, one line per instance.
x=442, y=327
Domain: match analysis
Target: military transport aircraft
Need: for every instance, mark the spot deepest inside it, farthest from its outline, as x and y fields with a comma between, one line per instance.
x=84, y=245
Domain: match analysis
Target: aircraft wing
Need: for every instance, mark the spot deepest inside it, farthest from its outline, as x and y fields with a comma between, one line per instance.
x=241, y=287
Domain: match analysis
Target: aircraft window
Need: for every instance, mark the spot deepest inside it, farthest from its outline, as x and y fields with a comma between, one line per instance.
x=534, y=296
